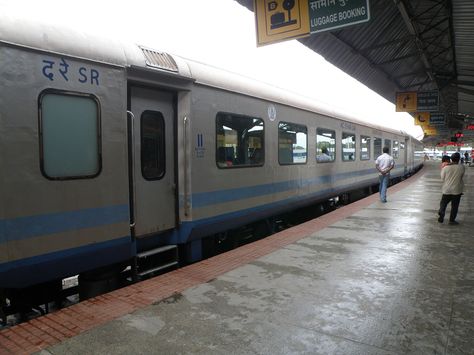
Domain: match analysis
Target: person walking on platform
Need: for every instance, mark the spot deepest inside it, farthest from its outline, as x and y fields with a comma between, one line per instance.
x=453, y=185
x=384, y=164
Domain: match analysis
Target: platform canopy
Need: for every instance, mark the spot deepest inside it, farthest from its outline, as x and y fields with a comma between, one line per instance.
x=410, y=46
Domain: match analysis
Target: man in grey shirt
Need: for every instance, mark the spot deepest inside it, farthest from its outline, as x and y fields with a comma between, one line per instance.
x=453, y=186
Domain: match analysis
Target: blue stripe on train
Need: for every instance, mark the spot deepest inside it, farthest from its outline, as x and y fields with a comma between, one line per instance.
x=215, y=197
x=32, y=226
x=57, y=265
x=198, y=228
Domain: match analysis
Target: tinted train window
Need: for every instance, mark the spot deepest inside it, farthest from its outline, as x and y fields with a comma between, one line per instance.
x=388, y=143
x=395, y=150
x=292, y=143
x=377, y=147
x=69, y=135
x=348, y=145
x=325, y=145
x=152, y=145
x=364, y=148
x=239, y=141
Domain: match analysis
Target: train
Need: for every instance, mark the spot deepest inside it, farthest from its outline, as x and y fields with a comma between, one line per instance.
x=117, y=156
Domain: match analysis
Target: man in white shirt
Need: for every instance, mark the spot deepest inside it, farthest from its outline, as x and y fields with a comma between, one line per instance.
x=453, y=185
x=384, y=163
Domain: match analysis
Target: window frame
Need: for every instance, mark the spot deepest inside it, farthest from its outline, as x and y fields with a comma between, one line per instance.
x=342, y=147
x=381, y=146
x=295, y=124
x=335, y=145
x=239, y=166
x=398, y=149
x=368, y=146
x=162, y=121
x=58, y=92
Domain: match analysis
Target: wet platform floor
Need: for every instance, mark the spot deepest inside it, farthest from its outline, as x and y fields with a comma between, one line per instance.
x=381, y=279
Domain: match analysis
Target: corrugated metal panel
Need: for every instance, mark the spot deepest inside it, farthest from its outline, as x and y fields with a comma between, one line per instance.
x=463, y=24
x=408, y=46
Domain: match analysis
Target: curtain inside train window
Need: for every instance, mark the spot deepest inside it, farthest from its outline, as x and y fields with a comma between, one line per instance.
x=69, y=135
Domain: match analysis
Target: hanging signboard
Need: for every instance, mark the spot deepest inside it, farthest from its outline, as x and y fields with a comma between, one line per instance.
x=437, y=119
x=427, y=100
x=430, y=131
x=443, y=130
x=327, y=15
x=413, y=101
x=422, y=119
x=406, y=102
x=278, y=20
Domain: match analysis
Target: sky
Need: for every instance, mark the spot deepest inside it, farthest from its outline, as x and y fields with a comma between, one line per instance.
x=220, y=33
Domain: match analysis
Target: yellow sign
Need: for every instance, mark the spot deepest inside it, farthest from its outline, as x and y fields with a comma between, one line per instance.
x=406, y=102
x=278, y=20
x=430, y=131
x=422, y=119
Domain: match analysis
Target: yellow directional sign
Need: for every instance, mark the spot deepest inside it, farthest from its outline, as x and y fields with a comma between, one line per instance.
x=430, y=131
x=406, y=102
x=278, y=20
x=422, y=119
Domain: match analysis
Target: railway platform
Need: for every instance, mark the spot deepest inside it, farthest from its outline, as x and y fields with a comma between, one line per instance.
x=367, y=278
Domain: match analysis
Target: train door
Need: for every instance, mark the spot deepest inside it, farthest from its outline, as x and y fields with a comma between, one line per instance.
x=153, y=153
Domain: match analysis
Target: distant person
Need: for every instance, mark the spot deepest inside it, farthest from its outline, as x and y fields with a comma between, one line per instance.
x=384, y=163
x=324, y=156
x=445, y=160
x=466, y=157
x=426, y=157
x=453, y=185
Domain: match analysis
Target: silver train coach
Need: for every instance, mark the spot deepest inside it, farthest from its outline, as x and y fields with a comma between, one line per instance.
x=112, y=153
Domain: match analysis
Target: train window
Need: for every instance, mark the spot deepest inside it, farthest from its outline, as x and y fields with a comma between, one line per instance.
x=69, y=132
x=152, y=153
x=325, y=145
x=348, y=145
x=364, y=148
x=292, y=143
x=377, y=147
x=395, y=150
x=388, y=143
x=239, y=141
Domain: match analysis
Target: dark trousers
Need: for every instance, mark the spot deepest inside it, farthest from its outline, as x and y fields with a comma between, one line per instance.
x=455, y=200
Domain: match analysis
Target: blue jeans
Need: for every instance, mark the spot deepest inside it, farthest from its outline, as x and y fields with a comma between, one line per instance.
x=383, y=179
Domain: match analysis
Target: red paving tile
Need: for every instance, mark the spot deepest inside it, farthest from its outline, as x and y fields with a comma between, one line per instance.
x=52, y=328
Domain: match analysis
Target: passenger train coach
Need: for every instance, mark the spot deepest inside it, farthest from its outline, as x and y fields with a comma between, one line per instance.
x=113, y=153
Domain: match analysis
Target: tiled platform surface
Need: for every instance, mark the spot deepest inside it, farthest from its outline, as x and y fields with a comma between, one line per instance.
x=369, y=278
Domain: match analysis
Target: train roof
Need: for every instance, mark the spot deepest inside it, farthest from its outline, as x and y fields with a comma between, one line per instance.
x=70, y=42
